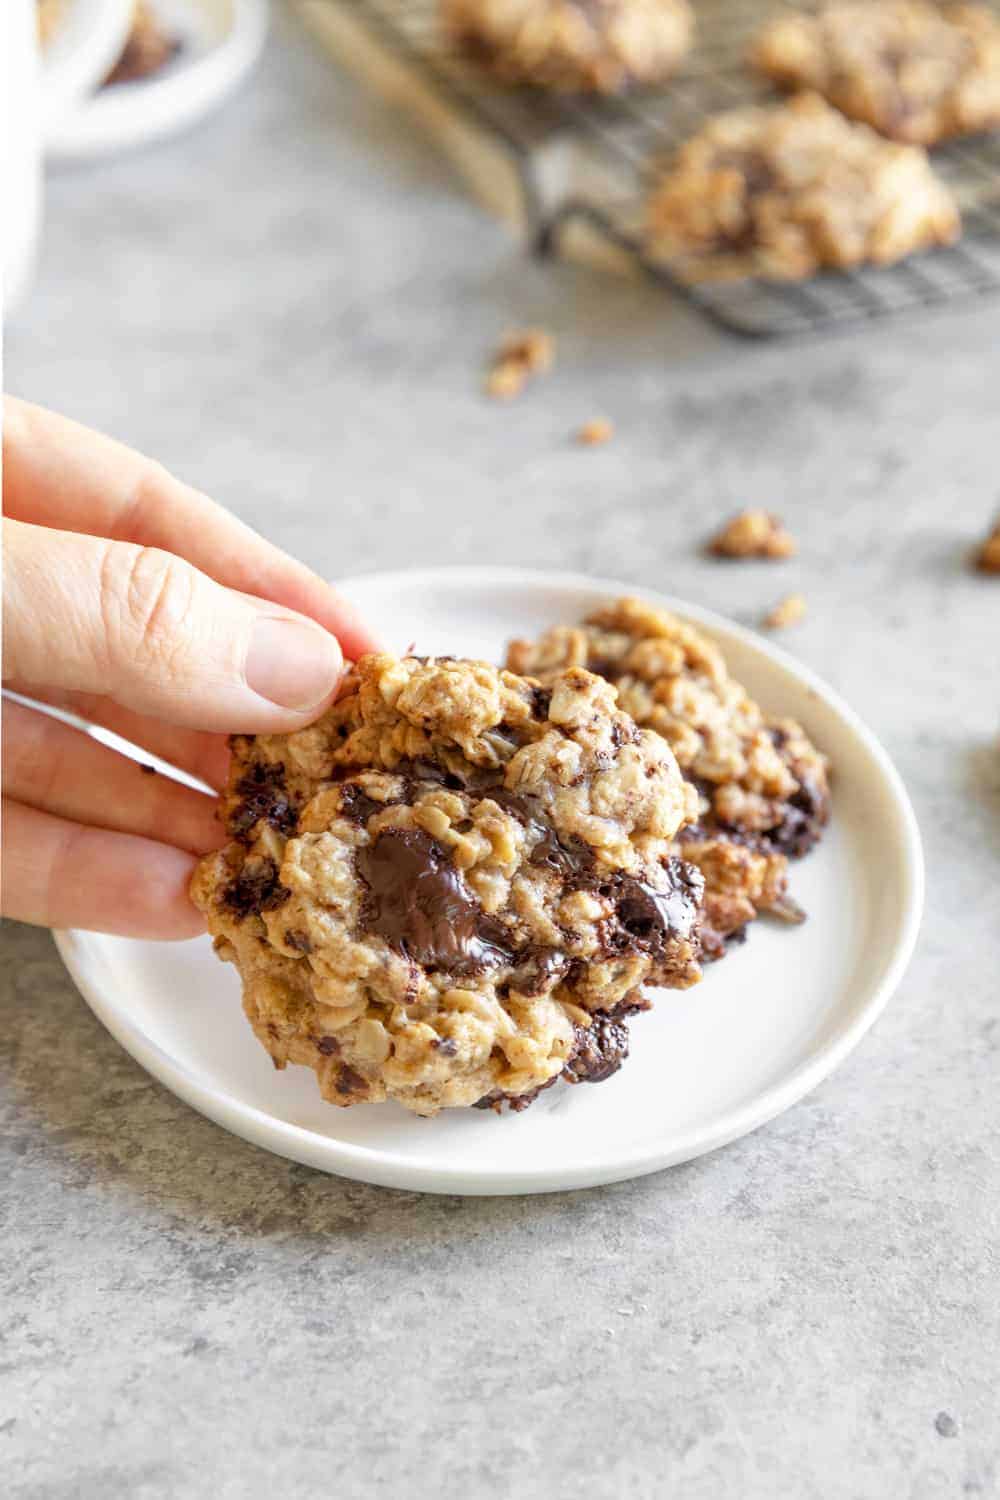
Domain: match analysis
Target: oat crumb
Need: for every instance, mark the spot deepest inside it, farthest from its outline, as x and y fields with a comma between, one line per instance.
x=790, y=611
x=520, y=357
x=753, y=533
x=599, y=430
x=988, y=555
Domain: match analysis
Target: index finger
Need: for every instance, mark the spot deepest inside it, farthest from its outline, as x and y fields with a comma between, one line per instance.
x=60, y=474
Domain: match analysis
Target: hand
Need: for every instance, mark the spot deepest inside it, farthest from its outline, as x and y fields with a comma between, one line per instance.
x=137, y=604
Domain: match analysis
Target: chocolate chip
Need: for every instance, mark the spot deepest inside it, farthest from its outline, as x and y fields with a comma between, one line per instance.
x=418, y=900
x=299, y=940
x=349, y=1081
x=565, y=859
x=496, y=1101
x=446, y=1045
x=646, y=919
x=356, y=805
x=610, y=668
x=328, y=1045
x=262, y=794
x=255, y=889
x=804, y=816
x=599, y=1051
x=540, y=970
x=541, y=701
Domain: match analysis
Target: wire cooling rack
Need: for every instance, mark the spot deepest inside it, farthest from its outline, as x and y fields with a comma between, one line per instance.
x=578, y=169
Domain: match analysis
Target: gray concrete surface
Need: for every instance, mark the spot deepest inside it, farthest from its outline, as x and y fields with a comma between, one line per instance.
x=291, y=307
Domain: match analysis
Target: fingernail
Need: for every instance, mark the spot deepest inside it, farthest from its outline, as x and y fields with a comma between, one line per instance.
x=292, y=663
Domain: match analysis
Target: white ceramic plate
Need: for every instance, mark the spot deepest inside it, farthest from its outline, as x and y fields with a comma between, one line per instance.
x=707, y=1065
x=221, y=40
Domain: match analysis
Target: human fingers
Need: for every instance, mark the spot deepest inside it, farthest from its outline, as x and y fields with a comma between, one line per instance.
x=158, y=636
x=62, y=874
x=64, y=771
x=198, y=752
x=60, y=474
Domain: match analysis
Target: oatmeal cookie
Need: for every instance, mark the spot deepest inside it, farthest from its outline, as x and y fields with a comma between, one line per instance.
x=782, y=191
x=762, y=786
x=572, y=46
x=445, y=890
x=917, y=72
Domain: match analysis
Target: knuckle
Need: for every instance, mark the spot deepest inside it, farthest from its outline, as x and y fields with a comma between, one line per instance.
x=147, y=597
x=150, y=493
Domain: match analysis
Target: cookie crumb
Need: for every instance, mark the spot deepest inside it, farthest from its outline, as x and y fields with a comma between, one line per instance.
x=147, y=770
x=789, y=611
x=946, y=1425
x=988, y=555
x=520, y=357
x=597, y=431
x=753, y=533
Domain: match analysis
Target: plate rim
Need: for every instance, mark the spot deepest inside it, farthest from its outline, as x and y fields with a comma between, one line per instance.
x=392, y=1169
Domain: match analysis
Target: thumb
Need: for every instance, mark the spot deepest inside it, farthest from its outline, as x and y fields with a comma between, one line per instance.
x=147, y=629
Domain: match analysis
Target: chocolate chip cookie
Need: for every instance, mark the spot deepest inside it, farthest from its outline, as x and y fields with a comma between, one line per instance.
x=572, y=46
x=449, y=890
x=783, y=191
x=917, y=72
x=762, y=786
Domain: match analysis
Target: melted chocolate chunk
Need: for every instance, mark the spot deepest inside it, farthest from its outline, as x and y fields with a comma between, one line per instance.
x=356, y=805
x=262, y=794
x=418, y=772
x=541, y=701
x=800, y=827
x=647, y=919
x=566, y=860
x=540, y=970
x=651, y=917
x=255, y=889
x=349, y=1081
x=418, y=900
x=600, y=1050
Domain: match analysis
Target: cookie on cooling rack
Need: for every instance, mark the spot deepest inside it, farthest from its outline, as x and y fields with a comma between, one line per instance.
x=784, y=191
x=449, y=890
x=763, y=787
x=572, y=46
x=915, y=71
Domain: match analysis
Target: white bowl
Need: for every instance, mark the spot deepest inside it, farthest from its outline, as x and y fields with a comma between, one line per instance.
x=221, y=40
x=84, y=48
